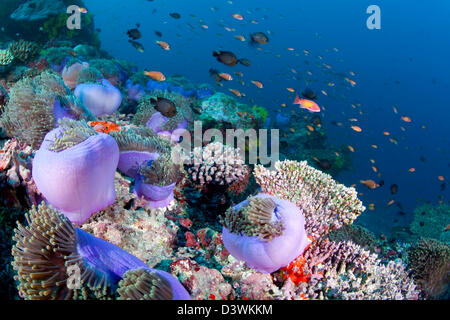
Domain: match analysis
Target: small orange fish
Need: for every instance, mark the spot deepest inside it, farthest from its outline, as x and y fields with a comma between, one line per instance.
x=290, y=89
x=395, y=110
x=310, y=128
x=386, y=133
x=237, y=93
x=374, y=146
x=155, y=75
x=390, y=202
x=225, y=76
x=307, y=104
x=441, y=178
x=351, y=148
x=104, y=126
x=292, y=129
x=324, y=92
x=204, y=26
x=163, y=45
x=240, y=38
x=412, y=170
x=258, y=84
x=369, y=184
x=356, y=128
x=406, y=119
x=447, y=227
x=83, y=10
x=374, y=169
x=237, y=16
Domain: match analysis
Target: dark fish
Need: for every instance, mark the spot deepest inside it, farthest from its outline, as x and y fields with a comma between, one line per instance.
x=394, y=189
x=259, y=38
x=422, y=159
x=98, y=30
x=402, y=213
x=229, y=58
x=134, y=34
x=244, y=62
x=175, y=15
x=215, y=74
x=139, y=47
x=443, y=185
x=381, y=183
x=309, y=94
x=158, y=33
x=138, y=25
x=324, y=164
x=316, y=120
x=226, y=57
x=165, y=106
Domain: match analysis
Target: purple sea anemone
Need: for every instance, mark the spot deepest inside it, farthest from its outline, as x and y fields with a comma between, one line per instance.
x=99, y=99
x=56, y=261
x=266, y=232
x=134, y=91
x=157, y=196
x=74, y=169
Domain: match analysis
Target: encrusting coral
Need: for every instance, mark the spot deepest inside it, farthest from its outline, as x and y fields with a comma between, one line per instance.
x=54, y=260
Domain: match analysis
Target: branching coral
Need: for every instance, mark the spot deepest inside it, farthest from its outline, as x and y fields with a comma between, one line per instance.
x=6, y=57
x=218, y=164
x=23, y=50
x=34, y=106
x=346, y=271
x=429, y=261
x=325, y=204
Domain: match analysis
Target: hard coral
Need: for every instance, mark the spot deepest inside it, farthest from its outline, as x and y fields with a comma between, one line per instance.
x=216, y=164
x=325, y=204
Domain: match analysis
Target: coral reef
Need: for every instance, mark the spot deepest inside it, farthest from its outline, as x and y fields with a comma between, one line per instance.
x=38, y=10
x=216, y=164
x=6, y=57
x=223, y=111
x=23, y=50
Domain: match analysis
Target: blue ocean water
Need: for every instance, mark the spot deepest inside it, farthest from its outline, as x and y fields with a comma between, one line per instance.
x=404, y=64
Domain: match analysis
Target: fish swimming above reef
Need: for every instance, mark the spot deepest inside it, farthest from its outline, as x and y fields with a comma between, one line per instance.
x=394, y=188
x=309, y=94
x=155, y=75
x=165, y=106
x=175, y=15
x=138, y=46
x=229, y=58
x=134, y=34
x=307, y=104
x=259, y=38
x=370, y=184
